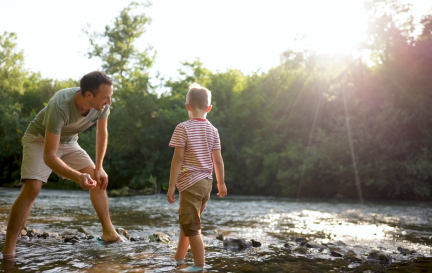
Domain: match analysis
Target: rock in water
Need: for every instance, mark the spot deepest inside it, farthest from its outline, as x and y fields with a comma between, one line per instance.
x=376, y=256
x=301, y=250
x=236, y=243
x=312, y=244
x=336, y=252
x=72, y=239
x=85, y=231
x=255, y=243
x=300, y=240
x=403, y=251
x=220, y=237
x=161, y=237
x=352, y=256
x=124, y=232
x=68, y=232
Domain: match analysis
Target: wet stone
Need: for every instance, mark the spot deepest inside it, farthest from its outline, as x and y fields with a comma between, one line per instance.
x=220, y=237
x=83, y=230
x=161, y=237
x=339, y=243
x=404, y=251
x=312, y=244
x=24, y=238
x=91, y=236
x=352, y=256
x=124, y=232
x=71, y=239
x=376, y=256
x=255, y=243
x=135, y=239
x=289, y=245
x=353, y=265
x=336, y=252
x=300, y=240
x=53, y=235
x=236, y=243
x=301, y=250
x=69, y=233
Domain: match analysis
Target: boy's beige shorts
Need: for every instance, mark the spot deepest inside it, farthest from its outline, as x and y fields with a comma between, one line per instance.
x=33, y=165
x=192, y=203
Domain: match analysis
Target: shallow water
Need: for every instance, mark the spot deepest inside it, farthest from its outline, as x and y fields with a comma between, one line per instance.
x=377, y=225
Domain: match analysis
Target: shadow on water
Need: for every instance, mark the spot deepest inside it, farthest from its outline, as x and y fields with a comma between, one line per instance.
x=276, y=223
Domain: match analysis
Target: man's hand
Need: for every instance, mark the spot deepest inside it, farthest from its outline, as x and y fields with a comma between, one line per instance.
x=86, y=182
x=101, y=178
x=170, y=195
x=222, y=189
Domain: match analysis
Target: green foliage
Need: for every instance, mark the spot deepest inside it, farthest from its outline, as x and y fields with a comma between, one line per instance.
x=121, y=59
x=295, y=130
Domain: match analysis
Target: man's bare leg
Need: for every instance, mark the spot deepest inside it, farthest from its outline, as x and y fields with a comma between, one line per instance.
x=99, y=200
x=19, y=212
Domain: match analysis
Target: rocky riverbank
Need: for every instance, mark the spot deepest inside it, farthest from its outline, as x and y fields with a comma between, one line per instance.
x=338, y=253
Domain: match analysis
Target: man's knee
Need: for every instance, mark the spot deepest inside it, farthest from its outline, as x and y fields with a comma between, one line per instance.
x=31, y=188
x=90, y=170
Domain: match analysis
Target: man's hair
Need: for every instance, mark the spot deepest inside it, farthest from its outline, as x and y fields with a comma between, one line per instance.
x=198, y=97
x=92, y=81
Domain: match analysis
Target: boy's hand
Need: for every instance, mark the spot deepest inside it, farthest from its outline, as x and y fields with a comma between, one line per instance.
x=222, y=189
x=170, y=195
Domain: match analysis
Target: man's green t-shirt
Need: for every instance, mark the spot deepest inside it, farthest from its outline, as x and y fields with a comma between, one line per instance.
x=61, y=116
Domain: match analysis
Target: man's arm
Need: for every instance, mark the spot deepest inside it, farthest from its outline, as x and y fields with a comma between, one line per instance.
x=52, y=142
x=220, y=172
x=101, y=145
x=176, y=164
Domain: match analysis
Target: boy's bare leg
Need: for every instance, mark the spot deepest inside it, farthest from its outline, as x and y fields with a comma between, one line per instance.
x=19, y=212
x=197, y=247
x=99, y=200
x=182, y=247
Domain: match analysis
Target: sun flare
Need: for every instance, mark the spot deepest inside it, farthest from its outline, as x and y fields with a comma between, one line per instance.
x=333, y=26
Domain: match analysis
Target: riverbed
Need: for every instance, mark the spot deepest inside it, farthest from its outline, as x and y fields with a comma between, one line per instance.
x=400, y=230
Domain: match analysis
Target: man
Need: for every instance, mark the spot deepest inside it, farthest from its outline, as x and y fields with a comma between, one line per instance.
x=50, y=144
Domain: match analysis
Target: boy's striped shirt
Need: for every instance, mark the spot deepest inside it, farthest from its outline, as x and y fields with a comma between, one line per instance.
x=199, y=137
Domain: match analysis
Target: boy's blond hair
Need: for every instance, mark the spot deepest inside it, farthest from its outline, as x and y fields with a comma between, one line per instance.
x=198, y=97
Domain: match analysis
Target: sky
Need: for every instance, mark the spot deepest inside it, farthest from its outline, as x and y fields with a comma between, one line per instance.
x=237, y=34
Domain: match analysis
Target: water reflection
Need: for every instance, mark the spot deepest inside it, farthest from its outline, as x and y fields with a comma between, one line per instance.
x=274, y=222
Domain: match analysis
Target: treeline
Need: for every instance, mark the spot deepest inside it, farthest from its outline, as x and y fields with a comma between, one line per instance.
x=315, y=126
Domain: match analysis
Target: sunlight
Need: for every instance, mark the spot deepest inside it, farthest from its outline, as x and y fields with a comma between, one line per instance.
x=309, y=222
x=334, y=26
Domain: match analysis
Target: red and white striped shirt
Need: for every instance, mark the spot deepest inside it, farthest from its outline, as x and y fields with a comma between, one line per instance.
x=199, y=137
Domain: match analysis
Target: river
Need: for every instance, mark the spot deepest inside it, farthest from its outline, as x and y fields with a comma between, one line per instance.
x=388, y=227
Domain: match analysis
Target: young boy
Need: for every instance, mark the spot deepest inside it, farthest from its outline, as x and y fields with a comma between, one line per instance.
x=196, y=143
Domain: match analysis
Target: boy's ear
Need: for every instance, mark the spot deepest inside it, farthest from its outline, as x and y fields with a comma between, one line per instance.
x=208, y=108
x=188, y=107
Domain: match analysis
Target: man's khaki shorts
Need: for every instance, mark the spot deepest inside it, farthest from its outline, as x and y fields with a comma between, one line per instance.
x=33, y=165
x=192, y=203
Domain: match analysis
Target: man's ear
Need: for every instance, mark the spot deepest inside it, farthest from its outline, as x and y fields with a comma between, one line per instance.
x=208, y=108
x=89, y=95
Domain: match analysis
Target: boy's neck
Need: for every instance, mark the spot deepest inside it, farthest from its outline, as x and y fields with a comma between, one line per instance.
x=198, y=114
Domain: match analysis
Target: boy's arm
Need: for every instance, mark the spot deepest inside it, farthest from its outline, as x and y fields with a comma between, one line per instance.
x=220, y=172
x=176, y=164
